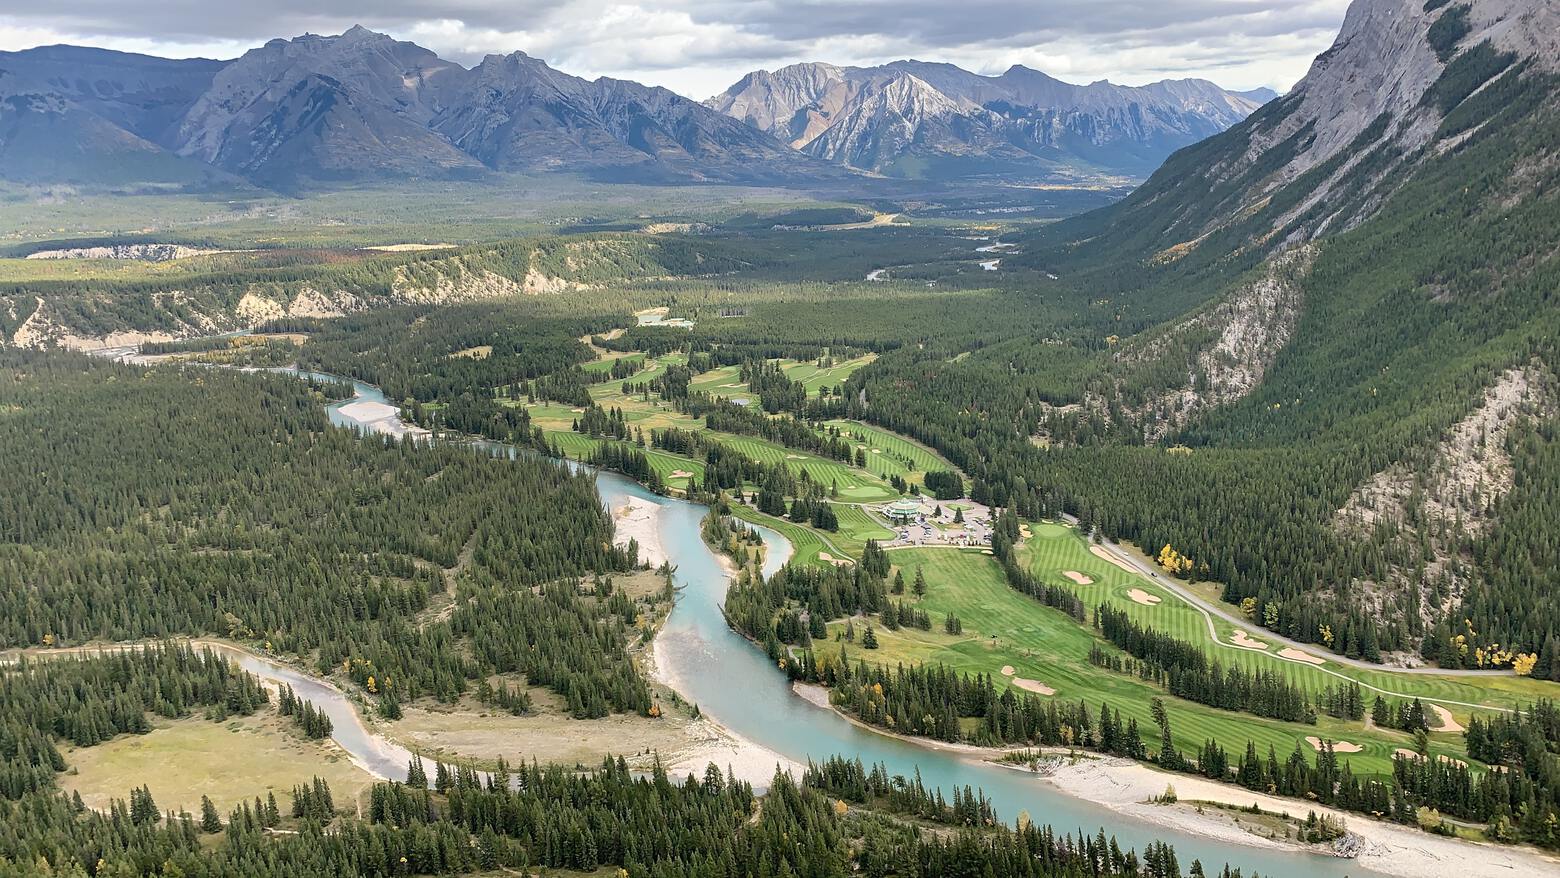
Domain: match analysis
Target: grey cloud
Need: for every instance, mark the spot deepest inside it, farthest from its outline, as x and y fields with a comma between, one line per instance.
x=1202, y=34
x=1005, y=21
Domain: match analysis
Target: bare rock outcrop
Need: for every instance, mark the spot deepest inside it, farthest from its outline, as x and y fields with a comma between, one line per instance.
x=1225, y=349
x=141, y=252
x=1447, y=494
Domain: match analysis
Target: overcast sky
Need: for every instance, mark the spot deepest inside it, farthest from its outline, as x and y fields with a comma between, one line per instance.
x=698, y=47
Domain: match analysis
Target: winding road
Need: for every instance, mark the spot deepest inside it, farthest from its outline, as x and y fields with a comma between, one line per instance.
x=1210, y=610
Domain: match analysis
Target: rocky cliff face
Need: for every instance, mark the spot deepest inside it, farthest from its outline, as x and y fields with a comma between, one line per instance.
x=514, y=112
x=139, y=93
x=325, y=108
x=1383, y=62
x=904, y=114
x=908, y=116
x=85, y=116
x=356, y=106
x=1374, y=106
x=793, y=103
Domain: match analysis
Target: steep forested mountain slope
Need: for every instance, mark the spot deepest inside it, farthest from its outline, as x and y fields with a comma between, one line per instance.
x=1329, y=375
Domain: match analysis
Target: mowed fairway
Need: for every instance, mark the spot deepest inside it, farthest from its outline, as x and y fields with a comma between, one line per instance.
x=806, y=543
x=1055, y=548
x=606, y=363
x=1004, y=627
x=855, y=486
x=812, y=377
x=856, y=527
x=577, y=446
x=896, y=455
x=724, y=381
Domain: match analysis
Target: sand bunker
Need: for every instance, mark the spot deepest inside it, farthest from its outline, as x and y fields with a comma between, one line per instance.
x=1034, y=686
x=1245, y=641
x=1008, y=671
x=1140, y=596
x=1407, y=753
x=1338, y=746
x=1444, y=721
x=830, y=559
x=795, y=457
x=877, y=451
x=1450, y=761
x=1104, y=555
x=1290, y=652
x=680, y=474
x=1077, y=577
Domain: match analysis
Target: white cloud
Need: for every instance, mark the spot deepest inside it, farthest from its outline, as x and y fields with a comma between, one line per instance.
x=698, y=47
x=15, y=37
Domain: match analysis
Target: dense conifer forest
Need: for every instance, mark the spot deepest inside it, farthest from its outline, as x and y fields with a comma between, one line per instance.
x=784, y=614
x=145, y=502
x=520, y=817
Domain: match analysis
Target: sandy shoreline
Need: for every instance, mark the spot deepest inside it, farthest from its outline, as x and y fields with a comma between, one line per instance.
x=1127, y=787
x=379, y=417
x=709, y=741
x=640, y=520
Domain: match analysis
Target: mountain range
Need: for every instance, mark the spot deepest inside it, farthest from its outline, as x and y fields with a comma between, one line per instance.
x=1349, y=299
x=314, y=110
x=358, y=106
x=915, y=118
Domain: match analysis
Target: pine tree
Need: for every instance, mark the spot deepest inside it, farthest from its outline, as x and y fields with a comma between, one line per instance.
x=143, y=811
x=1379, y=714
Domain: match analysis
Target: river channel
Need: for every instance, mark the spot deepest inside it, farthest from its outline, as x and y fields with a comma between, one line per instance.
x=734, y=682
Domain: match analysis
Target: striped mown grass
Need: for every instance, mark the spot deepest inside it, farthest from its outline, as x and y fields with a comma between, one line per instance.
x=856, y=527
x=806, y=543
x=605, y=364
x=1055, y=548
x=723, y=381
x=1004, y=627
x=855, y=485
x=813, y=377
x=894, y=452
x=577, y=446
